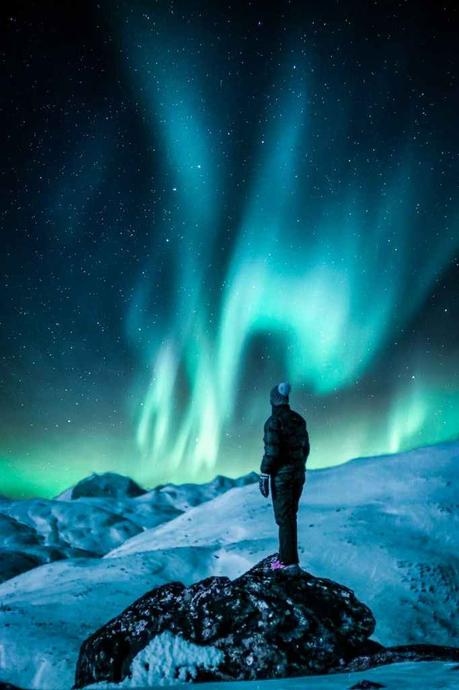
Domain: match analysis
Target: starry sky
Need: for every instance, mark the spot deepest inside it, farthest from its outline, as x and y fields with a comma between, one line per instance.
x=200, y=200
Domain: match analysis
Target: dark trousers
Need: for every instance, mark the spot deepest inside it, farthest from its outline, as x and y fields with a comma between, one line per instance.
x=286, y=489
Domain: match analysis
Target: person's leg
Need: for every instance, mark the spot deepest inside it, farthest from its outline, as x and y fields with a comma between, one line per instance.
x=284, y=494
x=297, y=489
x=289, y=540
x=299, y=485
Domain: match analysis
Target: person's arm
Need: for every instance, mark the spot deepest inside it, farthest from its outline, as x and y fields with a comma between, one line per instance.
x=306, y=446
x=271, y=443
x=306, y=450
x=272, y=440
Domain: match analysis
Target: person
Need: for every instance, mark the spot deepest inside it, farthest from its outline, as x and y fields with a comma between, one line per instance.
x=286, y=449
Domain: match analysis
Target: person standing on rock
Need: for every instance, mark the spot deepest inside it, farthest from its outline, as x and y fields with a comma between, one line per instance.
x=286, y=442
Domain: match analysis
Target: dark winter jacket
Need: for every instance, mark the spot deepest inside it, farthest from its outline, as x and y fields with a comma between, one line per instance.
x=286, y=440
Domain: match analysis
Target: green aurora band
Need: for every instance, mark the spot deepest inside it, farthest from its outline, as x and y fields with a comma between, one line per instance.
x=325, y=282
x=299, y=232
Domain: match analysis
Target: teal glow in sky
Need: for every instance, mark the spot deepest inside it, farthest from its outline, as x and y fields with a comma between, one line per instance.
x=214, y=203
x=326, y=279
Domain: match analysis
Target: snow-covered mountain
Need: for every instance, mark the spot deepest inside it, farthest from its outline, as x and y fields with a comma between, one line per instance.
x=93, y=517
x=387, y=527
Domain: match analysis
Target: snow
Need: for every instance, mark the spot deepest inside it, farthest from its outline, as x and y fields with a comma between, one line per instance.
x=39, y=531
x=387, y=527
x=428, y=675
x=46, y=613
x=167, y=660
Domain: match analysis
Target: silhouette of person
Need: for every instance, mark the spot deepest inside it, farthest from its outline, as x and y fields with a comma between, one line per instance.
x=286, y=449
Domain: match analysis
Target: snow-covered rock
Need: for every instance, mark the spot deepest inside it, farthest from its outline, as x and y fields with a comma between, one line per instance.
x=265, y=624
x=167, y=660
x=108, y=484
x=47, y=612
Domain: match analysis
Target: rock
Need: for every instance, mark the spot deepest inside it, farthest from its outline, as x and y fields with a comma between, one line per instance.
x=410, y=652
x=267, y=624
x=8, y=686
x=367, y=685
x=108, y=484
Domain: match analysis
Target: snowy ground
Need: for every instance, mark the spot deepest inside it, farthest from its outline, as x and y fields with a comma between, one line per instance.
x=39, y=531
x=425, y=675
x=387, y=527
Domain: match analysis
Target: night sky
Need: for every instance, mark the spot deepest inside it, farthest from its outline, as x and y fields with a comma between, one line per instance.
x=202, y=199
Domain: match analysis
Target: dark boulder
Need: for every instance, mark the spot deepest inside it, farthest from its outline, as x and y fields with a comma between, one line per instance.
x=266, y=624
x=107, y=484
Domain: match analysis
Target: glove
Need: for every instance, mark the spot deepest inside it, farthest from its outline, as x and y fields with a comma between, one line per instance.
x=263, y=484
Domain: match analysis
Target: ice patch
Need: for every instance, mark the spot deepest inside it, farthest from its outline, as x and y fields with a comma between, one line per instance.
x=167, y=659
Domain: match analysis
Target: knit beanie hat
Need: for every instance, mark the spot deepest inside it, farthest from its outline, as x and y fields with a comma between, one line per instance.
x=279, y=394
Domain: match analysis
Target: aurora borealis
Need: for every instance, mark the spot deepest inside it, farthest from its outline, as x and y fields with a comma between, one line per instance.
x=202, y=200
